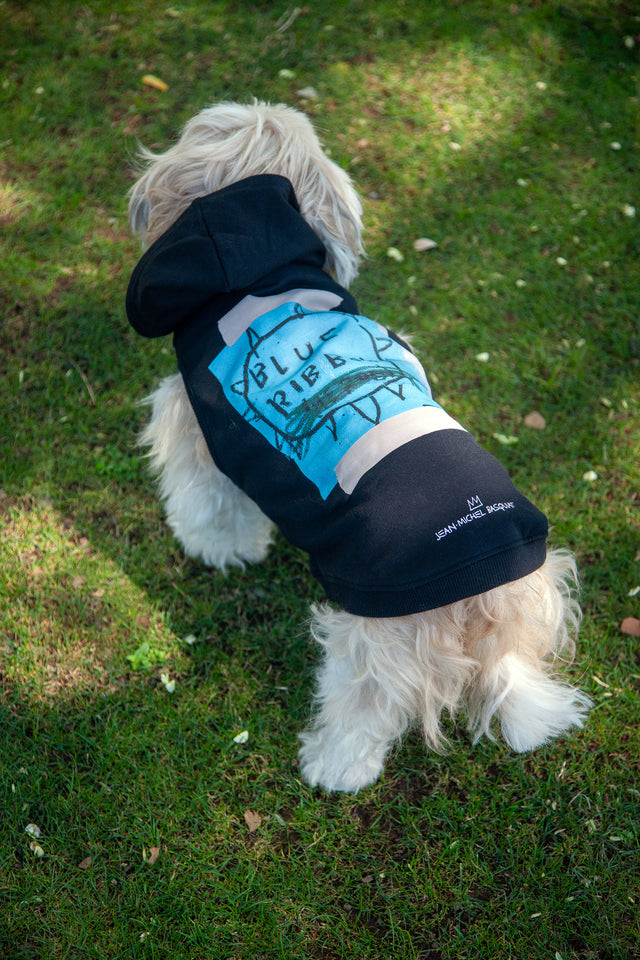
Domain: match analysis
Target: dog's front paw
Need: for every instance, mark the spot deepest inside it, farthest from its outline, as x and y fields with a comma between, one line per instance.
x=338, y=761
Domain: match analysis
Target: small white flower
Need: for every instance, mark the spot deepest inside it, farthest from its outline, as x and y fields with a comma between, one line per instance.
x=395, y=254
x=541, y=85
x=561, y=261
x=616, y=145
x=506, y=439
x=521, y=182
x=629, y=42
x=454, y=146
x=308, y=93
x=190, y=640
x=286, y=74
x=629, y=210
x=483, y=357
x=590, y=476
x=39, y=91
x=241, y=737
x=521, y=283
x=169, y=685
x=634, y=592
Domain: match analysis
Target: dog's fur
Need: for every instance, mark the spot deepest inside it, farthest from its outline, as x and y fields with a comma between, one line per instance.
x=492, y=654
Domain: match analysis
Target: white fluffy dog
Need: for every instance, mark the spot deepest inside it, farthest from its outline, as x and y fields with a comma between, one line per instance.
x=445, y=596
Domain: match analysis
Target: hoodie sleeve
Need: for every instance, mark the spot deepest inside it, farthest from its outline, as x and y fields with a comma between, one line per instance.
x=225, y=242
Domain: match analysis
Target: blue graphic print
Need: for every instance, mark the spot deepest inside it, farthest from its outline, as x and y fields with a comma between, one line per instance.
x=314, y=383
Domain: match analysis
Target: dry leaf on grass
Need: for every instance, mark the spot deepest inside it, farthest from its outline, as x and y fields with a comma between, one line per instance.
x=85, y=864
x=631, y=626
x=424, y=243
x=152, y=855
x=253, y=820
x=535, y=420
x=150, y=81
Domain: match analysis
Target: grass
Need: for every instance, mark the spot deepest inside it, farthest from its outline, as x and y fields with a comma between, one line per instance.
x=506, y=133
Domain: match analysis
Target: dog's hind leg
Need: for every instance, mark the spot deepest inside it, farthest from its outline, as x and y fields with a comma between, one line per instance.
x=520, y=629
x=214, y=520
x=377, y=677
x=533, y=708
x=359, y=712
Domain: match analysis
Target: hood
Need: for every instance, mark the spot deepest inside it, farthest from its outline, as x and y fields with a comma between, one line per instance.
x=225, y=243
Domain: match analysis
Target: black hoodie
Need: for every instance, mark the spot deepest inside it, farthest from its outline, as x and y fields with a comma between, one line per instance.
x=323, y=417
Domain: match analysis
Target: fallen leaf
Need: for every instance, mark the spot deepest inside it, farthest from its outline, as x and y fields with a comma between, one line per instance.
x=395, y=254
x=308, y=93
x=85, y=864
x=36, y=849
x=631, y=626
x=253, y=820
x=152, y=856
x=150, y=81
x=535, y=420
x=424, y=243
x=33, y=830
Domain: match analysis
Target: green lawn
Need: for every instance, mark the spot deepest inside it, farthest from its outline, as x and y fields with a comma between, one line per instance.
x=508, y=134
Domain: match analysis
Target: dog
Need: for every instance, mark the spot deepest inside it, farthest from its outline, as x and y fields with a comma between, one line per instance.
x=292, y=411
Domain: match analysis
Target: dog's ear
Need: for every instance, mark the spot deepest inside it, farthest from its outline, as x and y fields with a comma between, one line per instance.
x=138, y=210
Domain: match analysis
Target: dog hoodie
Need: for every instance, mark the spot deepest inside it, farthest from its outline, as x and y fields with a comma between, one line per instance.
x=324, y=417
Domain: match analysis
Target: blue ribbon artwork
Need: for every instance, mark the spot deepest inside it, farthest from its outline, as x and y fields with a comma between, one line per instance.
x=314, y=383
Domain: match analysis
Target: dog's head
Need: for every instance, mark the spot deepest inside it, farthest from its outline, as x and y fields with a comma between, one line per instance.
x=229, y=142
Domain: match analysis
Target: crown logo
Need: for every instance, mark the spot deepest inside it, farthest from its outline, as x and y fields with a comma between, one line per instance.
x=474, y=503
